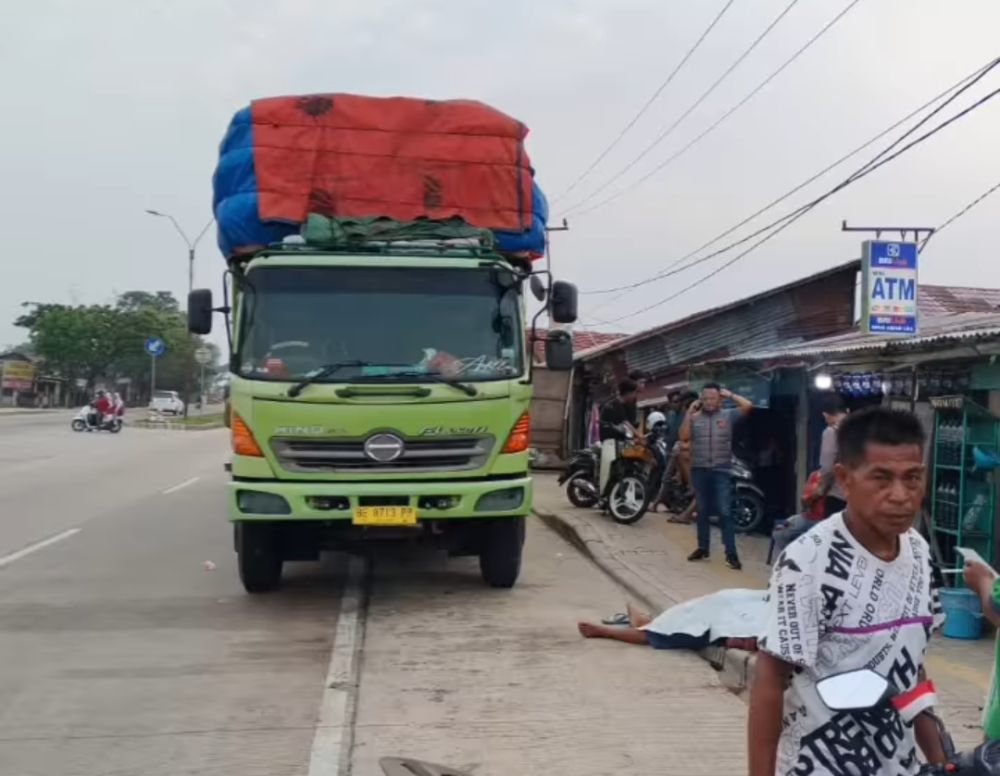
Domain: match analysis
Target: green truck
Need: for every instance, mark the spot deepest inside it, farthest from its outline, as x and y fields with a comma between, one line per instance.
x=381, y=391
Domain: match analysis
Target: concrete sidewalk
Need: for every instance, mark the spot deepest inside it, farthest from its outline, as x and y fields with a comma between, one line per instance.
x=649, y=559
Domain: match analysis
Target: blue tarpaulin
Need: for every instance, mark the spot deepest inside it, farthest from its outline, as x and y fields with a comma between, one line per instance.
x=235, y=201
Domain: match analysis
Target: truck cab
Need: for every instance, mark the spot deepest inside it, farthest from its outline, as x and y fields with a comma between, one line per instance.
x=380, y=393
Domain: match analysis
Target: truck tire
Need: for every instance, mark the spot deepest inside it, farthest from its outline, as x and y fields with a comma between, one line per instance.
x=259, y=557
x=500, y=555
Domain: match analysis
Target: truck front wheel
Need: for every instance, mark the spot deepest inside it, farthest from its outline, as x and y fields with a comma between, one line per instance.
x=259, y=556
x=500, y=555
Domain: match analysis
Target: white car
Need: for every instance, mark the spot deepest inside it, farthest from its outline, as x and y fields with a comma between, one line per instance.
x=167, y=402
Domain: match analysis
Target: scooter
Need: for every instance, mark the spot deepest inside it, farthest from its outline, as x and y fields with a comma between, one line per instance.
x=81, y=422
x=636, y=477
x=580, y=477
x=748, y=503
x=865, y=689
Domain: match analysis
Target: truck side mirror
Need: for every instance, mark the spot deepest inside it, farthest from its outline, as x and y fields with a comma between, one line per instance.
x=559, y=351
x=200, y=311
x=563, y=302
x=537, y=288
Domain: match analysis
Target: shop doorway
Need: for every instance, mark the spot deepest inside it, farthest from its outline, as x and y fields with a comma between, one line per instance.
x=765, y=440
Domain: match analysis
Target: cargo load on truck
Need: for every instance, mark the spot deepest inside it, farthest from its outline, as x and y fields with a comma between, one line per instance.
x=357, y=160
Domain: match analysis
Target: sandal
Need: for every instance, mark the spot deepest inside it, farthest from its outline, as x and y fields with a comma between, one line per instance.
x=621, y=618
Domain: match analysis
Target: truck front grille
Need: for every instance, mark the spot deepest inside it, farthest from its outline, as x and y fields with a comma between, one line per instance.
x=315, y=456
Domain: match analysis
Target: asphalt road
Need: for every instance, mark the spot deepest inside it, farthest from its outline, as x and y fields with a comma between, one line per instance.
x=120, y=652
x=123, y=654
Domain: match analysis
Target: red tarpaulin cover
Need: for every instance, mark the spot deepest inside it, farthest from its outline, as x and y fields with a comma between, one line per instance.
x=349, y=156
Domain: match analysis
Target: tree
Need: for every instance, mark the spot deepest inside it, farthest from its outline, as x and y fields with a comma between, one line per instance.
x=100, y=341
x=78, y=342
x=161, y=301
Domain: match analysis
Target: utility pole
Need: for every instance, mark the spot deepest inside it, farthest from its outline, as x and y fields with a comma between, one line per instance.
x=903, y=230
x=191, y=245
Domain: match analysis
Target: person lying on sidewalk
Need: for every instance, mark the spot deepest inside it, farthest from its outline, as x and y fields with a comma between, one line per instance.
x=729, y=618
x=983, y=581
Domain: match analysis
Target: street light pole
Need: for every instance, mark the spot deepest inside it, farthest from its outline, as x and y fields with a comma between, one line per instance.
x=192, y=245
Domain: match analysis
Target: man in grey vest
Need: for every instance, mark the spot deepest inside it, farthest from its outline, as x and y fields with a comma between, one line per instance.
x=709, y=430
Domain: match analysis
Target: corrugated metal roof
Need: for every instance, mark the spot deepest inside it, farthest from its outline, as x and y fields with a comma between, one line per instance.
x=942, y=300
x=940, y=328
x=649, y=334
x=933, y=301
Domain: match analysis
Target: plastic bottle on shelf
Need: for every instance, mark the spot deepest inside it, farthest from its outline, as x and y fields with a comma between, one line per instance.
x=951, y=494
x=974, y=513
x=945, y=436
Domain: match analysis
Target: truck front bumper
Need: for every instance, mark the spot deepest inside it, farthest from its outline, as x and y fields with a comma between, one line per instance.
x=275, y=500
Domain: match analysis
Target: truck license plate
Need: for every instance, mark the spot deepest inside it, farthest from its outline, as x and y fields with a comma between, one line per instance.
x=385, y=516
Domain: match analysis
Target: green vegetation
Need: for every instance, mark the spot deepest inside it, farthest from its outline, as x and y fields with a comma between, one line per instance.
x=95, y=342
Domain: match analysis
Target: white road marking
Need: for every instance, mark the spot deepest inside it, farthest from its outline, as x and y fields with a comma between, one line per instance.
x=8, y=559
x=334, y=737
x=182, y=485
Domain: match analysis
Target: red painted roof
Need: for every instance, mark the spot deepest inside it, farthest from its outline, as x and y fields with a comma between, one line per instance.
x=582, y=340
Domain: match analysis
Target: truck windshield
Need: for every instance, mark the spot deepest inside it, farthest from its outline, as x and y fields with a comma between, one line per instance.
x=454, y=322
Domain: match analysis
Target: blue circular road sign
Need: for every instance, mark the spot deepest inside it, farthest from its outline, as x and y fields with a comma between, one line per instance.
x=155, y=347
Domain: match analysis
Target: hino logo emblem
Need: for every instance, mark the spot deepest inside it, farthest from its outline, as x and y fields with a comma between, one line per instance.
x=384, y=448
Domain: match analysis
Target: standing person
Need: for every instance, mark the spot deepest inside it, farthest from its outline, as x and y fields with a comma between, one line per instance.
x=830, y=489
x=827, y=489
x=983, y=581
x=709, y=429
x=855, y=592
x=638, y=377
x=616, y=415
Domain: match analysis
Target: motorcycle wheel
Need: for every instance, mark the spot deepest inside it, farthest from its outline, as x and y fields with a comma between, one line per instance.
x=115, y=427
x=629, y=499
x=579, y=494
x=78, y=425
x=747, y=512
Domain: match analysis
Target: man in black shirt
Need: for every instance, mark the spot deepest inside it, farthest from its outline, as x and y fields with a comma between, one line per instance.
x=617, y=413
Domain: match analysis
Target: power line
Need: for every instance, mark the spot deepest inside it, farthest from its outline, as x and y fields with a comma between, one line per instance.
x=961, y=85
x=672, y=158
x=663, y=135
x=659, y=90
x=867, y=170
x=961, y=213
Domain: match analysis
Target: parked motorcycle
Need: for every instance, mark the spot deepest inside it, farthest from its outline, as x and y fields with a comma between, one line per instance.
x=866, y=689
x=81, y=422
x=636, y=477
x=748, y=505
x=748, y=500
x=580, y=477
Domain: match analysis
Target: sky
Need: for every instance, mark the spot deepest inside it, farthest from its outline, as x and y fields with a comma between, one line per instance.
x=110, y=108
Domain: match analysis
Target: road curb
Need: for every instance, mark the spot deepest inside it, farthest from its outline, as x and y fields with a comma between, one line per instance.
x=735, y=666
x=590, y=544
x=174, y=426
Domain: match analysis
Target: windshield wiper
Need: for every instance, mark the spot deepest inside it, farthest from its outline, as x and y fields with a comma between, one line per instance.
x=324, y=371
x=437, y=377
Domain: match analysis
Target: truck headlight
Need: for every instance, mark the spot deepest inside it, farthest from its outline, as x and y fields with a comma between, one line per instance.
x=501, y=500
